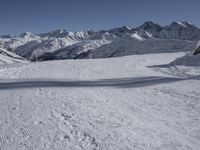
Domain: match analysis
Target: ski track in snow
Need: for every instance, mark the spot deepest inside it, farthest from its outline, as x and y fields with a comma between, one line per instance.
x=157, y=117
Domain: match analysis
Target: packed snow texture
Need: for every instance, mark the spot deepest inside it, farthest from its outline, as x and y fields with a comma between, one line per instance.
x=104, y=104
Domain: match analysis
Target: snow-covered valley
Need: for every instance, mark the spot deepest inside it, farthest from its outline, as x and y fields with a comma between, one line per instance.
x=139, y=102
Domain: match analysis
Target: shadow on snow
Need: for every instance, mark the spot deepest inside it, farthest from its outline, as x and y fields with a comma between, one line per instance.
x=117, y=82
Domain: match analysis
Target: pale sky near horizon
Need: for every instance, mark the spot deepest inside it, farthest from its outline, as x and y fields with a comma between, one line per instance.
x=38, y=16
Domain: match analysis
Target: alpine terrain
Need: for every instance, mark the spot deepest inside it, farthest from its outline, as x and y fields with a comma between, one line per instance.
x=149, y=99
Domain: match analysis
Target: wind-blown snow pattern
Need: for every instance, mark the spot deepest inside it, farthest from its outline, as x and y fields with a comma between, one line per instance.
x=61, y=44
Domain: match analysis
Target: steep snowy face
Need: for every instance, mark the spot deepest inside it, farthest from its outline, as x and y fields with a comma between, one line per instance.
x=119, y=31
x=180, y=30
x=148, y=25
x=42, y=46
x=142, y=35
x=80, y=49
x=12, y=43
x=184, y=24
x=150, y=28
x=197, y=49
x=137, y=36
x=7, y=57
x=29, y=45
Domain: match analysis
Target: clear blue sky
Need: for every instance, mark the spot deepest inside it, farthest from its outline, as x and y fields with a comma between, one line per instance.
x=17, y=16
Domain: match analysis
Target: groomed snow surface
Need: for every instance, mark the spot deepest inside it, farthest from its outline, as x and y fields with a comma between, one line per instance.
x=124, y=103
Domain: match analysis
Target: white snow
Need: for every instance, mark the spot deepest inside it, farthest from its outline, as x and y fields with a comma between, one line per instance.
x=188, y=60
x=129, y=28
x=61, y=41
x=198, y=44
x=107, y=104
x=7, y=57
x=149, y=34
x=137, y=36
x=181, y=23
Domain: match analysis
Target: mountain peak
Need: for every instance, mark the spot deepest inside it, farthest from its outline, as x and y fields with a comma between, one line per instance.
x=183, y=24
x=149, y=25
x=26, y=34
x=59, y=31
x=56, y=33
x=125, y=28
x=121, y=29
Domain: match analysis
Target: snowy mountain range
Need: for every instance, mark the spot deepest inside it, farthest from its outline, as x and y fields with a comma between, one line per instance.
x=61, y=44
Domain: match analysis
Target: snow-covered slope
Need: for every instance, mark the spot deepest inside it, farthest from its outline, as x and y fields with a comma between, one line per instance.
x=121, y=47
x=7, y=57
x=103, y=104
x=188, y=60
x=81, y=49
x=60, y=44
x=28, y=45
x=197, y=49
x=180, y=30
x=130, y=46
x=14, y=42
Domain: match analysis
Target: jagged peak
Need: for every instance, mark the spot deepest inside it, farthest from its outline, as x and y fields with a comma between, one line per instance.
x=55, y=33
x=126, y=27
x=189, y=23
x=183, y=24
x=148, y=25
x=121, y=29
x=26, y=34
x=58, y=31
x=90, y=31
